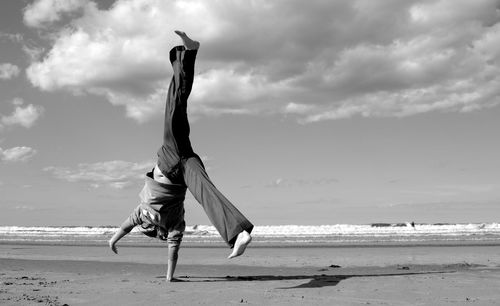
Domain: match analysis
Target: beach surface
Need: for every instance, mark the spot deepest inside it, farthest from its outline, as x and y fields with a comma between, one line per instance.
x=396, y=275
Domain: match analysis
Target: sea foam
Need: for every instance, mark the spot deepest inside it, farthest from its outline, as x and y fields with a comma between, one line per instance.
x=337, y=234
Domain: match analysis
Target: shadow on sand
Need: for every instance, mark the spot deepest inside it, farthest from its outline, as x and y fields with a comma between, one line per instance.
x=316, y=281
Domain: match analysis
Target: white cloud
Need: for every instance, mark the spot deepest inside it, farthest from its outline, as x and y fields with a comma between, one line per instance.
x=477, y=188
x=17, y=154
x=24, y=116
x=33, y=53
x=297, y=108
x=301, y=182
x=115, y=174
x=120, y=185
x=8, y=71
x=29, y=46
x=12, y=37
x=24, y=207
x=44, y=12
x=432, y=13
x=227, y=91
x=17, y=101
x=333, y=59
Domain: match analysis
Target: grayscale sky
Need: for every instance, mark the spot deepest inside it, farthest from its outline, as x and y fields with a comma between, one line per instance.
x=305, y=112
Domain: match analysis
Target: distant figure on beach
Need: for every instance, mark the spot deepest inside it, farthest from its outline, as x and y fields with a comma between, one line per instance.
x=160, y=213
x=412, y=224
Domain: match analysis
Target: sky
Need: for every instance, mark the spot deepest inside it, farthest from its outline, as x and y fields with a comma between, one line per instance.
x=304, y=112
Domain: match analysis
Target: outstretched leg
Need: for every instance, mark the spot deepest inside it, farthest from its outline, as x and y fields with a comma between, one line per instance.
x=176, y=143
x=231, y=224
x=179, y=163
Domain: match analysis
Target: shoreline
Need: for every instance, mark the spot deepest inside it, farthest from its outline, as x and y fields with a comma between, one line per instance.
x=269, y=256
x=260, y=244
x=92, y=275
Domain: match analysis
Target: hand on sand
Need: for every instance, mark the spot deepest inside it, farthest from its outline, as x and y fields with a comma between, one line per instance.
x=174, y=280
x=242, y=241
x=112, y=246
x=188, y=42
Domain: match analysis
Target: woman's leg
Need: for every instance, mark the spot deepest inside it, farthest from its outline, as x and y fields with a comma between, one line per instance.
x=226, y=218
x=176, y=143
x=234, y=228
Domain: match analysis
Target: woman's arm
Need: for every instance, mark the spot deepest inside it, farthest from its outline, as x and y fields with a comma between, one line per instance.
x=174, y=242
x=173, y=254
x=120, y=233
x=127, y=225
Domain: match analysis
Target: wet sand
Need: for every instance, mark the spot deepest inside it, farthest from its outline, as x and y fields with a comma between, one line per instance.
x=59, y=275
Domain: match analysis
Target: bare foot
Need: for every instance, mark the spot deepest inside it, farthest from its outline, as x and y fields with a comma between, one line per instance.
x=112, y=246
x=242, y=241
x=188, y=42
x=174, y=280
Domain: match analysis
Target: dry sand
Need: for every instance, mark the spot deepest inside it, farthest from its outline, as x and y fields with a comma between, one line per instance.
x=71, y=275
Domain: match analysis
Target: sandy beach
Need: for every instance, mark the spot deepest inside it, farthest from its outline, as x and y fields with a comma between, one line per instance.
x=83, y=275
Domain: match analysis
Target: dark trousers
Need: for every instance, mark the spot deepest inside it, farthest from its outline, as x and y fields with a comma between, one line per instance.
x=177, y=160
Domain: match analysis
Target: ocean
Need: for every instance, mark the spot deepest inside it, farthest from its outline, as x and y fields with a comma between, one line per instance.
x=337, y=235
